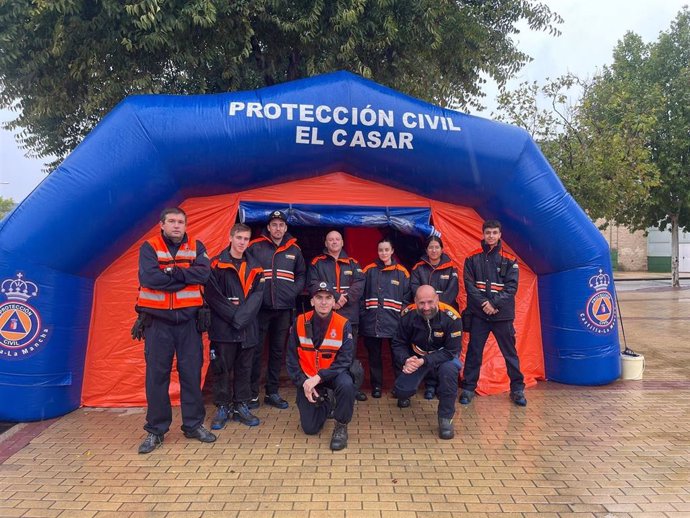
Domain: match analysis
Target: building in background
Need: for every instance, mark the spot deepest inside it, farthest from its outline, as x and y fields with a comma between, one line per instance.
x=659, y=251
x=635, y=252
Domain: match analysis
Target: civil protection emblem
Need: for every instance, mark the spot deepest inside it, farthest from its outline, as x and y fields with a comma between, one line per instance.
x=21, y=330
x=599, y=315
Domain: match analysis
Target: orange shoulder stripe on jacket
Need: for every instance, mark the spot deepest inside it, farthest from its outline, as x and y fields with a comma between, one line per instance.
x=369, y=267
x=257, y=240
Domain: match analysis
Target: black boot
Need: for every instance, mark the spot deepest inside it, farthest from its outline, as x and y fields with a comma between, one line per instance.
x=339, y=437
x=445, y=428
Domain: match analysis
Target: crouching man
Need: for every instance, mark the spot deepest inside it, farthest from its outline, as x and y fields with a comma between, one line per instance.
x=428, y=340
x=319, y=354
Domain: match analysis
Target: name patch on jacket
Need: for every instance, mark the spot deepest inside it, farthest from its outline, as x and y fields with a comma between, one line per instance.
x=445, y=276
x=290, y=256
x=455, y=334
x=438, y=334
x=393, y=281
x=347, y=272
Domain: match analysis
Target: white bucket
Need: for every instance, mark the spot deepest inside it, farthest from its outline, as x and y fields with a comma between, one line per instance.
x=632, y=367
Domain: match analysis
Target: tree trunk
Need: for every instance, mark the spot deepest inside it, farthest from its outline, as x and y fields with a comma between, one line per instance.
x=675, y=275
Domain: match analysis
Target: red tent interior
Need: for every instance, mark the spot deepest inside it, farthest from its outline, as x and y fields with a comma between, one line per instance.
x=114, y=367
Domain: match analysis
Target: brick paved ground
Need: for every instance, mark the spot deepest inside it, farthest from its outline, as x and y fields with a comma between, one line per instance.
x=614, y=451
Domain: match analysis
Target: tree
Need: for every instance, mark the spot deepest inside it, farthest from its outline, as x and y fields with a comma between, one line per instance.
x=6, y=205
x=623, y=149
x=65, y=63
x=606, y=169
x=655, y=78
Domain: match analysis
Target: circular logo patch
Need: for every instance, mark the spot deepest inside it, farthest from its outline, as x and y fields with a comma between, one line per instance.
x=21, y=331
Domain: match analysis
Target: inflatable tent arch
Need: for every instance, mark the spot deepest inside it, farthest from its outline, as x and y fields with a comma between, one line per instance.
x=68, y=252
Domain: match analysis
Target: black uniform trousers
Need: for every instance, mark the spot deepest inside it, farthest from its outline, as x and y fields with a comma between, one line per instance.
x=374, y=347
x=275, y=323
x=447, y=373
x=504, y=332
x=232, y=363
x=313, y=416
x=163, y=341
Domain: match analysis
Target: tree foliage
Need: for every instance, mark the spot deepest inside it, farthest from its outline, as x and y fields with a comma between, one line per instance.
x=623, y=150
x=606, y=168
x=65, y=63
x=6, y=205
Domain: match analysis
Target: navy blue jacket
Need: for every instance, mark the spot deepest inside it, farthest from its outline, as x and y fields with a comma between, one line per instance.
x=232, y=322
x=284, y=269
x=344, y=276
x=491, y=275
x=386, y=293
x=442, y=277
x=437, y=340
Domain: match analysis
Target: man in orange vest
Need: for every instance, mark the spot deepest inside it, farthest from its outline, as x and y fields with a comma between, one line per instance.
x=234, y=293
x=319, y=355
x=172, y=268
x=345, y=277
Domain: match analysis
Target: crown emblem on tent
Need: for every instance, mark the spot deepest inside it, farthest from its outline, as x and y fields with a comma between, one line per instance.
x=18, y=289
x=599, y=282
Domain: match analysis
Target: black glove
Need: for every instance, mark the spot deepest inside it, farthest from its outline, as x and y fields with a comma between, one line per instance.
x=203, y=319
x=356, y=371
x=138, y=327
x=467, y=320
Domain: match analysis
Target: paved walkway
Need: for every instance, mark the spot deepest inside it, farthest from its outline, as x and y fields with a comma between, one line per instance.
x=614, y=451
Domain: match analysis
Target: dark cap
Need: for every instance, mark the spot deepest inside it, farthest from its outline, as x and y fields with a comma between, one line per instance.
x=322, y=286
x=277, y=214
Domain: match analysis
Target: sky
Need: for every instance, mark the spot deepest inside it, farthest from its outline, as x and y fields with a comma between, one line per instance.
x=590, y=31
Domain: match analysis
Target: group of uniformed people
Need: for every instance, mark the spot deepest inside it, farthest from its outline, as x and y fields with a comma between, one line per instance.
x=248, y=293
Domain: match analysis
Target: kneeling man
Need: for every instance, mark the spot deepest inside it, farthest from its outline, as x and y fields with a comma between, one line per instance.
x=428, y=340
x=319, y=354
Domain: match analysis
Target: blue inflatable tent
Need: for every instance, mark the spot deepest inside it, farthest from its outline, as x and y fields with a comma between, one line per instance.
x=156, y=151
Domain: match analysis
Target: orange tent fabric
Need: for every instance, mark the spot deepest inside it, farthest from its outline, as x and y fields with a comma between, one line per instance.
x=114, y=368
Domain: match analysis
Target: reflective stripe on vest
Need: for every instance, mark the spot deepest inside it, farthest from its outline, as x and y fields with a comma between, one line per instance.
x=187, y=297
x=311, y=359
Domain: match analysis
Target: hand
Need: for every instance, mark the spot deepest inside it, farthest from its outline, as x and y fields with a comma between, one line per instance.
x=488, y=308
x=137, y=331
x=309, y=387
x=341, y=301
x=412, y=364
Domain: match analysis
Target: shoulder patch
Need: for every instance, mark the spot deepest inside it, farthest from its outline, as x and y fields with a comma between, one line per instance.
x=409, y=308
x=449, y=310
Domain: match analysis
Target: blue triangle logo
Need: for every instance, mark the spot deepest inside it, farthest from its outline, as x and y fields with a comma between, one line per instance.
x=603, y=309
x=14, y=324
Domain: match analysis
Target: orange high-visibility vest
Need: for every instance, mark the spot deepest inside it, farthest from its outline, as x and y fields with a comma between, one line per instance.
x=187, y=297
x=311, y=360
